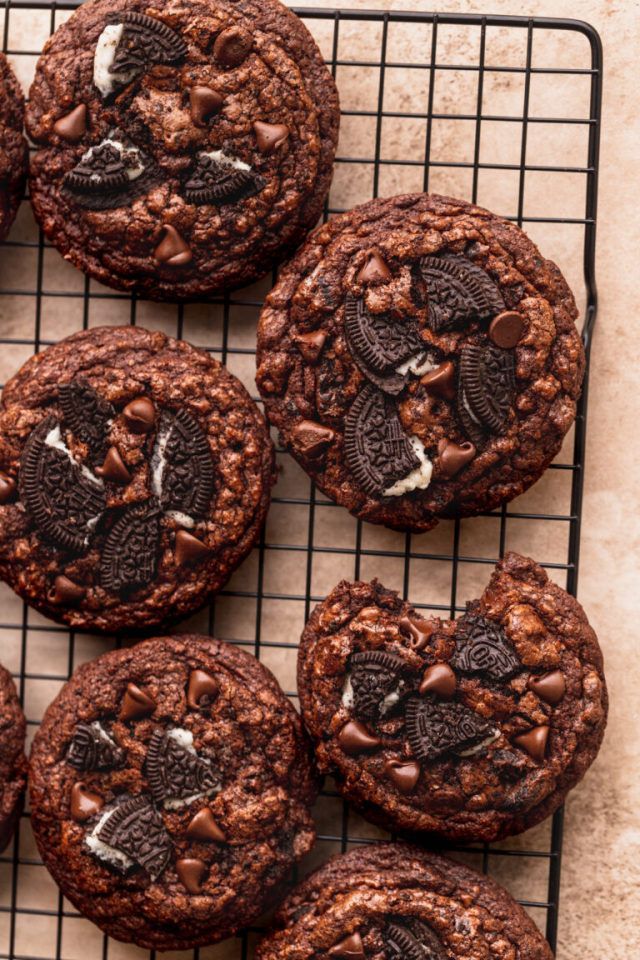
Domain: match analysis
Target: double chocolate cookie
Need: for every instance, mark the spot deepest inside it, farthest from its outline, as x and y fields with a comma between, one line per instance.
x=135, y=475
x=170, y=791
x=13, y=763
x=420, y=360
x=183, y=148
x=13, y=147
x=396, y=902
x=474, y=729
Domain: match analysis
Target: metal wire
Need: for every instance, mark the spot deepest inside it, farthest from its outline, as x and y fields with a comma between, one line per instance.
x=369, y=548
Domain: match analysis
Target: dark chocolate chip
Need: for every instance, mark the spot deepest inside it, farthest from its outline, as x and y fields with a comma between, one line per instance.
x=312, y=439
x=435, y=728
x=419, y=631
x=375, y=270
x=482, y=647
x=130, y=553
x=232, y=46
x=452, y=457
x=186, y=481
x=145, y=41
x=84, y=804
x=191, y=872
x=534, y=742
x=377, y=450
x=189, y=551
x=310, y=344
x=174, y=772
x=270, y=136
x=551, y=687
x=8, y=488
x=404, y=774
x=380, y=343
x=350, y=948
x=205, y=103
x=173, y=250
x=441, y=382
x=506, y=329
x=354, y=738
x=87, y=415
x=202, y=826
x=135, y=828
x=92, y=748
x=73, y=126
x=440, y=679
x=140, y=415
x=202, y=689
x=374, y=674
x=66, y=593
x=457, y=292
x=114, y=469
x=136, y=704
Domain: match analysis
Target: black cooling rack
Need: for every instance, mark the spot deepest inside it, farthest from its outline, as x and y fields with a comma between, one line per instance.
x=473, y=60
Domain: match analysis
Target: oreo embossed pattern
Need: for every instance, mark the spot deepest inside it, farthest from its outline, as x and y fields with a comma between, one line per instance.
x=473, y=729
x=420, y=360
x=183, y=149
x=170, y=791
x=397, y=902
x=135, y=475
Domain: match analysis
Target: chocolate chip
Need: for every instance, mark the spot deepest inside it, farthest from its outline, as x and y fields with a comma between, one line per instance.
x=140, y=415
x=354, y=738
x=374, y=270
x=441, y=382
x=310, y=344
x=377, y=450
x=404, y=773
x=65, y=592
x=434, y=728
x=419, y=631
x=114, y=469
x=350, y=948
x=205, y=103
x=457, y=292
x=202, y=826
x=270, y=136
x=232, y=46
x=506, y=329
x=91, y=748
x=187, y=476
x=482, y=647
x=84, y=804
x=534, y=741
x=551, y=687
x=440, y=679
x=191, y=872
x=452, y=457
x=374, y=675
x=189, y=550
x=202, y=689
x=175, y=772
x=8, y=488
x=135, y=828
x=172, y=250
x=73, y=126
x=311, y=439
x=136, y=704
x=130, y=553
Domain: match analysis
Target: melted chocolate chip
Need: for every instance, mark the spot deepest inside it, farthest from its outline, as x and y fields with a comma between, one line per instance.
x=435, y=728
x=377, y=450
x=8, y=488
x=270, y=136
x=452, y=457
x=418, y=630
x=65, y=592
x=73, y=126
x=486, y=390
x=411, y=939
x=457, y=292
x=374, y=675
x=130, y=554
x=189, y=551
x=145, y=41
x=87, y=415
x=404, y=774
x=59, y=497
x=202, y=689
x=205, y=103
x=140, y=415
x=350, y=948
x=380, y=343
x=375, y=270
x=439, y=679
x=534, y=741
x=191, y=872
x=173, y=250
x=114, y=469
x=354, y=738
x=136, y=704
x=186, y=480
x=175, y=772
x=232, y=46
x=135, y=828
x=441, y=382
x=202, y=826
x=550, y=687
x=92, y=748
x=84, y=804
x=214, y=181
x=482, y=647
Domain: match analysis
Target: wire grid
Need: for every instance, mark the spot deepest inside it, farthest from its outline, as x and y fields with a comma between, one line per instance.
x=421, y=109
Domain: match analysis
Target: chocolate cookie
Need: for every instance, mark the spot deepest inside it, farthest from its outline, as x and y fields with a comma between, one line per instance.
x=474, y=729
x=135, y=475
x=396, y=902
x=13, y=763
x=170, y=791
x=184, y=148
x=420, y=360
x=13, y=147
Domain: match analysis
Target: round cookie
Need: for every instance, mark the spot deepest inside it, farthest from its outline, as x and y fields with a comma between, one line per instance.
x=170, y=789
x=13, y=763
x=391, y=901
x=184, y=148
x=135, y=475
x=13, y=147
x=473, y=729
x=420, y=360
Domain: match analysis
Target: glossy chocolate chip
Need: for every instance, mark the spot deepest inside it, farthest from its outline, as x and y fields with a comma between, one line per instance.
x=534, y=741
x=354, y=738
x=173, y=250
x=439, y=679
x=375, y=270
x=404, y=773
x=350, y=948
x=203, y=827
x=73, y=126
x=189, y=550
x=140, y=415
x=65, y=592
x=136, y=703
x=418, y=631
x=441, y=382
x=8, y=488
x=202, y=689
x=114, y=469
x=310, y=344
x=232, y=46
x=551, y=687
x=311, y=439
x=84, y=803
x=191, y=872
x=205, y=103
x=270, y=136
x=506, y=329
x=452, y=457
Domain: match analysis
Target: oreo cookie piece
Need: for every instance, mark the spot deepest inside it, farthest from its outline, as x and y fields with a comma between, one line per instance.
x=473, y=729
x=181, y=151
x=160, y=769
x=413, y=336
x=399, y=902
x=13, y=146
x=13, y=762
x=120, y=479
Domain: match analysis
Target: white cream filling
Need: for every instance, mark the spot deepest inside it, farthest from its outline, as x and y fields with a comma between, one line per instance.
x=103, y=850
x=479, y=746
x=465, y=404
x=219, y=156
x=418, y=479
x=130, y=156
x=347, y=693
x=185, y=739
x=158, y=464
x=104, y=56
x=420, y=364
